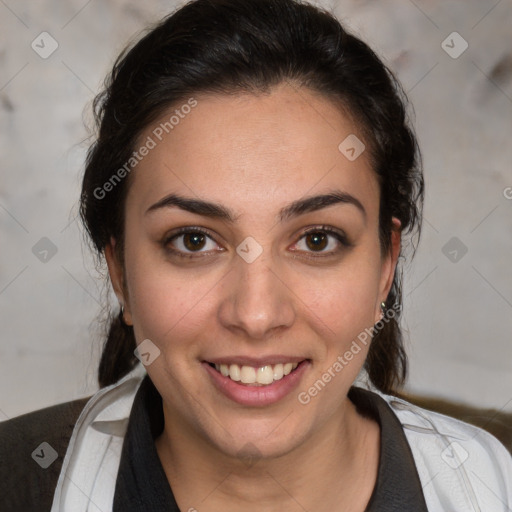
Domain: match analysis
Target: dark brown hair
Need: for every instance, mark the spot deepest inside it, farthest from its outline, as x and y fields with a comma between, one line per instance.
x=235, y=46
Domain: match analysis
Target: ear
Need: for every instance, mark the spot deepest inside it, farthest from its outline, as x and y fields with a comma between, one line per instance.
x=115, y=270
x=389, y=265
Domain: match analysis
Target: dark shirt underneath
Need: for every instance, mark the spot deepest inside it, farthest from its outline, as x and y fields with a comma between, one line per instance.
x=142, y=484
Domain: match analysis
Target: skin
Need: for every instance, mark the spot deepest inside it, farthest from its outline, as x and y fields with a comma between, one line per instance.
x=256, y=155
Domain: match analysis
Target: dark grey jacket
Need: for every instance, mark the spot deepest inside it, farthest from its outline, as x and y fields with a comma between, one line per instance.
x=24, y=485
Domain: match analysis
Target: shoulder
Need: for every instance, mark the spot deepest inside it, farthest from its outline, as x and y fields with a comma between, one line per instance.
x=32, y=448
x=452, y=454
x=426, y=421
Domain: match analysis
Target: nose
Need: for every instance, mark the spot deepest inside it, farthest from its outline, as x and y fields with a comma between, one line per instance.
x=258, y=302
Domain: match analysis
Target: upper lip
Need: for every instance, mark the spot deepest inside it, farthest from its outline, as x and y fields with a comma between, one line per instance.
x=256, y=362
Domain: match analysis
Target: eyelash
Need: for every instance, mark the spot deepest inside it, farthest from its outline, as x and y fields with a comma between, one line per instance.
x=338, y=235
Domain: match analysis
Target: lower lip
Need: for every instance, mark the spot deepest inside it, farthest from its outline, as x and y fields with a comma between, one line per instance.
x=257, y=396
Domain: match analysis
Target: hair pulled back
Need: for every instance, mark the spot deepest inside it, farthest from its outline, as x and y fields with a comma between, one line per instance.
x=235, y=46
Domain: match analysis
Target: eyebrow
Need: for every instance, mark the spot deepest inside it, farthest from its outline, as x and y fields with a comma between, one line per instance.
x=218, y=211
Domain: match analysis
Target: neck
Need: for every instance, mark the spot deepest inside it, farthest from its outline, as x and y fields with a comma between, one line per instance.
x=334, y=469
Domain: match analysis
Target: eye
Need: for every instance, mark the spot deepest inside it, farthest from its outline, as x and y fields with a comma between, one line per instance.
x=187, y=241
x=323, y=240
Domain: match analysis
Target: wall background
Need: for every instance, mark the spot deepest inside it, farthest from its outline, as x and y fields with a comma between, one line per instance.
x=458, y=304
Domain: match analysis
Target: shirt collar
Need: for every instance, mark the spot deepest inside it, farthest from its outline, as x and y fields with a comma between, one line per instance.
x=398, y=487
x=142, y=483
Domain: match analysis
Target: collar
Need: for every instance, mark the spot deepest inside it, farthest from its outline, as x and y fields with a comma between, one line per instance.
x=142, y=484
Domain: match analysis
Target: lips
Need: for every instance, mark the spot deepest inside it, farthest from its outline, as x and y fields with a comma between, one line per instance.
x=256, y=382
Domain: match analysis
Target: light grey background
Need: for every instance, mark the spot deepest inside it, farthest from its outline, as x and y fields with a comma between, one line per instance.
x=458, y=314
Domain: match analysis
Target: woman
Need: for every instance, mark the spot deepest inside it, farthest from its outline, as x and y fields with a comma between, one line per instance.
x=252, y=185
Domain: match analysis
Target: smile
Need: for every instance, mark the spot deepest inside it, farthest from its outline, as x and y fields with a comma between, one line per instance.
x=262, y=376
x=257, y=383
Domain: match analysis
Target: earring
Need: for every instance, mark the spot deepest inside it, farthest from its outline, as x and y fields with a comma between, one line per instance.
x=382, y=309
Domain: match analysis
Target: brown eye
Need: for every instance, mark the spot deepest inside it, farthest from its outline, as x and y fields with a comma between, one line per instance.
x=190, y=242
x=324, y=241
x=194, y=241
x=317, y=241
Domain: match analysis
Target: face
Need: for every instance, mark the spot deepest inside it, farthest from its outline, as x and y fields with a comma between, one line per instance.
x=251, y=289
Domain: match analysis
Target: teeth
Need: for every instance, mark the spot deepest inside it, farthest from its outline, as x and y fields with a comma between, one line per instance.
x=262, y=376
x=234, y=372
x=278, y=372
x=248, y=375
x=265, y=375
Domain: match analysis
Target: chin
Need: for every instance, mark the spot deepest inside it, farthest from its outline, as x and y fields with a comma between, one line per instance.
x=258, y=439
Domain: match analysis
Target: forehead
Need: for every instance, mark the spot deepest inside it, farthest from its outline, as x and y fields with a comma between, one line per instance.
x=251, y=151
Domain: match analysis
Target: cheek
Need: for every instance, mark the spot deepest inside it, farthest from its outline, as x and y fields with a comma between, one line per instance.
x=165, y=304
x=343, y=304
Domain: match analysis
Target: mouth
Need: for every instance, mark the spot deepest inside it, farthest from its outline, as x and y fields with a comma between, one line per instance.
x=256, y=383
x=264, y=375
